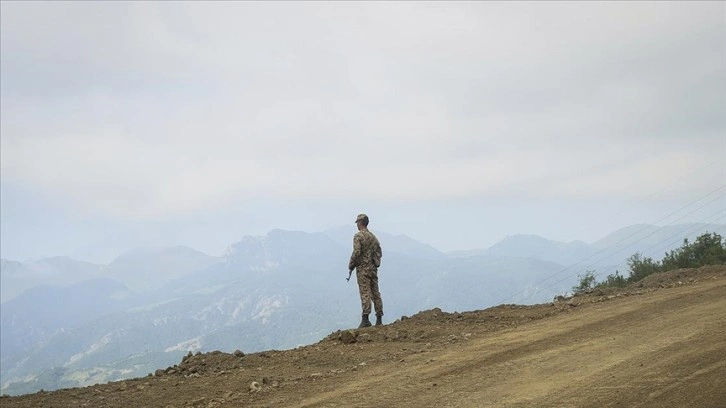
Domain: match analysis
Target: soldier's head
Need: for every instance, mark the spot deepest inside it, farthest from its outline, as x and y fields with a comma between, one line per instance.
x=361, y=221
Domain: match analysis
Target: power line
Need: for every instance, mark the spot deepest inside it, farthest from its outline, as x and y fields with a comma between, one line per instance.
x=657, y=192
x=720, y=215
x=721, y=187
x=571, y=275
x=661, y=228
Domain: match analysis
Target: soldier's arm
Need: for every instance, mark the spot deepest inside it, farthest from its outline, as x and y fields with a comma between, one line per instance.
x=356, y=252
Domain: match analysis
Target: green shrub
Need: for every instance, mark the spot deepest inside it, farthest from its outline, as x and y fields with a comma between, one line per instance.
x=587, y=283
x=641, y=267
x=707, y=249
x=615, y=280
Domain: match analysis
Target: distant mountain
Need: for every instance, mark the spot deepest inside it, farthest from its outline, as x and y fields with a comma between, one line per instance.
x=605, y=255
x=145, y=269
x=39, y=313
x=16, y=277
x=650, y=238
x=268, y=292
x=401, y=244
x=533, y=246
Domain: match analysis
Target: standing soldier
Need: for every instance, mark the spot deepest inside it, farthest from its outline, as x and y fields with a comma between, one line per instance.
x=366, y=259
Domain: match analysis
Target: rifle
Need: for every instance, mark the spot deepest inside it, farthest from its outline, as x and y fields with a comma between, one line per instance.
x=350, y=272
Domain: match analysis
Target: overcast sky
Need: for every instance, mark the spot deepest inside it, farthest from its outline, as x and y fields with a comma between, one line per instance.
x=133, y=124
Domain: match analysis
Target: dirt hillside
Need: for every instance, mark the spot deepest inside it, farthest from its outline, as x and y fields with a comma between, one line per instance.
x=659, y=343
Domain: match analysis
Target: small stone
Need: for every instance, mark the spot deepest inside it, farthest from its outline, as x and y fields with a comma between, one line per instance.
x=255, y=386
x=159, y=372
x=394, y=335
x=239, y=353
x=348, y=337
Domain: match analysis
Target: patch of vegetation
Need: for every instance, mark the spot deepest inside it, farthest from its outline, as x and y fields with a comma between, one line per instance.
x=587, y=282
x=707, y=249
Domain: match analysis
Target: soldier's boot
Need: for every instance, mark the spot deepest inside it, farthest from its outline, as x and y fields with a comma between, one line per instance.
x=364, y=322
x=379, y=320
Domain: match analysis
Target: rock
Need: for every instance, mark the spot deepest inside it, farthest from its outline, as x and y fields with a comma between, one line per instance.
x=239, y=353
x=255, y=386
x=365, y=337
x=159, y=372
x=348, y=336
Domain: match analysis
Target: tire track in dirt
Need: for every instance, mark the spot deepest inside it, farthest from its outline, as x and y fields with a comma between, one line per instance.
x=554, y=362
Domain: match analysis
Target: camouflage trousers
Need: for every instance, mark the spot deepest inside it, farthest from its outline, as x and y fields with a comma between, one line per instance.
x=368, y=288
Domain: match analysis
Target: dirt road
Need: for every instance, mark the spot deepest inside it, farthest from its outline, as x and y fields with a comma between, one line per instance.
x=646, y=347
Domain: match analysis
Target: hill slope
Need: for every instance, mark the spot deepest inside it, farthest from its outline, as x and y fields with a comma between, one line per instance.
x=658, y=344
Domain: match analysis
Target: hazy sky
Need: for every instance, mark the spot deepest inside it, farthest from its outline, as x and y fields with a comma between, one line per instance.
x=131, y=124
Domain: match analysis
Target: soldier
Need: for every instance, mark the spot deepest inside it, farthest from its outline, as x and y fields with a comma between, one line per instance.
x=366, y=259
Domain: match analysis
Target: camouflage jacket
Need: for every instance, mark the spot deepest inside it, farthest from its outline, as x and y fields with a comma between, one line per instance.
x=366, y=251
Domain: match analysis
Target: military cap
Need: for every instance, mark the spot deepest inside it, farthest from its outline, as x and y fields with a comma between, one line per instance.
x=361, y=217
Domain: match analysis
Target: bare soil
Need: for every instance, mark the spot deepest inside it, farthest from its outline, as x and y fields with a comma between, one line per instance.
x=658, y=343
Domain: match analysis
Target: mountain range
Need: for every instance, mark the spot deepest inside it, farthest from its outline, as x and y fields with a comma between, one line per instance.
x=68, y=323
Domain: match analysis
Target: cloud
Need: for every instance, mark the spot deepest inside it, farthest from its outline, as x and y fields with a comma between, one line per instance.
x=143, y=109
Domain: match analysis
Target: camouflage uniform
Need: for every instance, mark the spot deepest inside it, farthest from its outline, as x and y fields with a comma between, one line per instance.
x=366, y=260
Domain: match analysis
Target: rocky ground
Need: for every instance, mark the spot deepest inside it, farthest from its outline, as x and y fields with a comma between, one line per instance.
x=659, y=343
